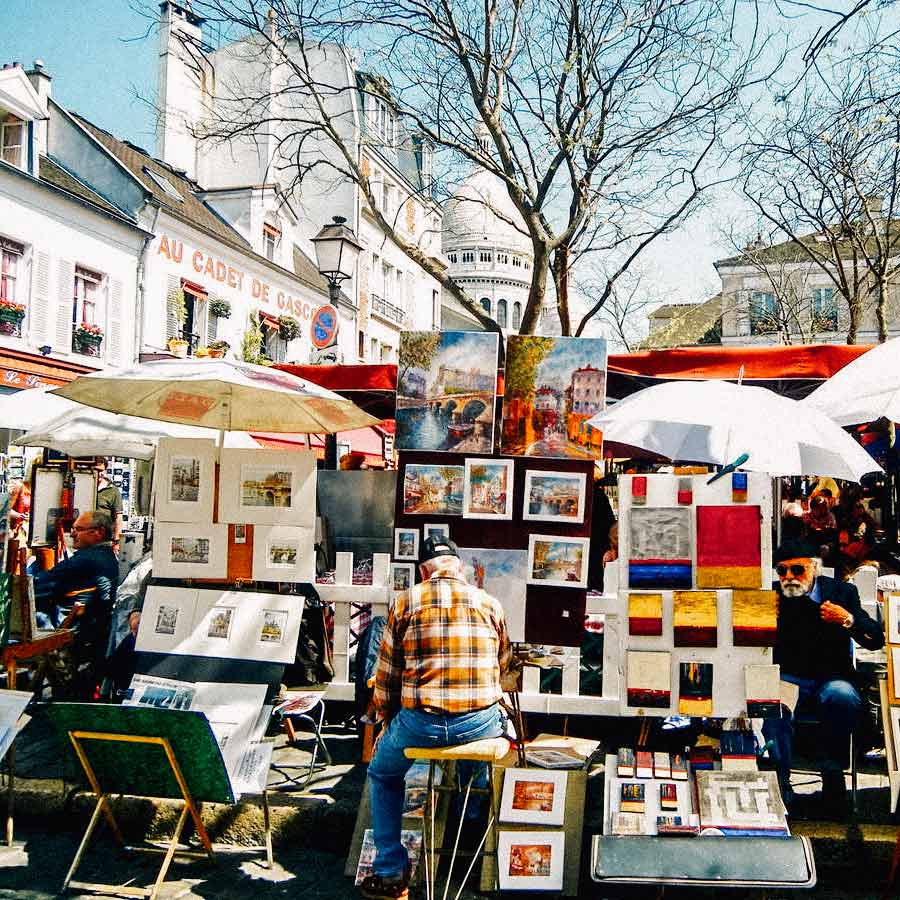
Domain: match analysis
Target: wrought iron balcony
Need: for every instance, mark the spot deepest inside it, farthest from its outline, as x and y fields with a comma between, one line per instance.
x=387, y=310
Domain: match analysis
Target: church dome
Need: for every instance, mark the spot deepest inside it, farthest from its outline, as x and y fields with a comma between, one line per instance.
x=480, y=214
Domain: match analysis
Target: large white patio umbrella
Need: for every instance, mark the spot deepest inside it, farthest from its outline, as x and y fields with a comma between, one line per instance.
x=864, y=390
x=221, y=394
x=28, y=408
x=717, y=421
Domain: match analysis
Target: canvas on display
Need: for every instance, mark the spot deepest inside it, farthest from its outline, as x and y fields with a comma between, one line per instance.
x=403, y=576
x=446, y=384
x=433, y=489
x=283, y=553
x=440, y=531
x=645, y=614
x=533, y=797
x=754, y=618
x=695, y=689
x=648, y=679
x=503, y=574
x=554, y=497
x=729, y=548
x=553, y=386
x=694, y=618
x=267, y=487
x=531, y=860
x=184, y=480
x=46, y=512
x=763, y=689
x=659, y=547
x=488, y=489
x=406, y=543
x=190, y=550
x=558, y=560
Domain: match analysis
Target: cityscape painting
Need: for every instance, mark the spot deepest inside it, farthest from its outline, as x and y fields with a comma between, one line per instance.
x=488, y=489
x=446, y=384
x=554, y=497
x=562, y=561
x=554, y=385
x=433, y=489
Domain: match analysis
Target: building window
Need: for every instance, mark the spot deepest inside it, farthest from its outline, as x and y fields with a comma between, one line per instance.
x=825, y=311
x=517, y=262
x=10, y=257
x=12, y=141
x=516, y=315
x=485, y=256
x=436, y=309
x=451, y=257
x=387, y=352
x=384, y=121
x=527, y=264
x=501, y=313
x=195, y=311
x=387, y=281
x=468, y=256
x=503, y=259
x=486, y=304
x=87, y=296
x=271, y=240
x=386, y=199
x=274, y=346
x=763, y=313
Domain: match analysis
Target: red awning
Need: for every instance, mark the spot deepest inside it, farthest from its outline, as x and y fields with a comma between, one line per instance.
x=382, y=377
x=362, y=440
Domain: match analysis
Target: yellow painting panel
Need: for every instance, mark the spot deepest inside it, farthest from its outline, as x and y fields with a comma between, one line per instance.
x=728, y=576
x=695, y=609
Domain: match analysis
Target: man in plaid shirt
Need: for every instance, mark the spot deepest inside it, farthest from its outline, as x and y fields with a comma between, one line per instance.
x=437, y=684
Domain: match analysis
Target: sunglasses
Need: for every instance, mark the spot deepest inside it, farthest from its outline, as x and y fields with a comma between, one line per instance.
x=797, y=569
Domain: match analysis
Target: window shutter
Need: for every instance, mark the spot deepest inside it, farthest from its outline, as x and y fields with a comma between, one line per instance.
x=211, y=322
x=65, y=292
x=114, y=323
x=39, y=326
x=172, y=326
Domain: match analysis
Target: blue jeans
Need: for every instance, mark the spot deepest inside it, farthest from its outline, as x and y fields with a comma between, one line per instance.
x=837, y=705
x=388, y=768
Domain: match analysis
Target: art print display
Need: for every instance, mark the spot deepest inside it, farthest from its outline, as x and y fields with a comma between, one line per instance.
x=533, y=798
x=439, y=531
x=648, y=679
x=531, y=860
x=267, y=487
x=273, y=626
x=504, y=575
x=488, y=489
x=645, y=614
x=659, y=547
x=553, y=387
x=219, y=624
x=695, y=619
x=190, y=550
x=754, y=618
x=557, y=560
x=283, y=553
x=446, y=384
x=554, y=497
x=432, y=489
x=763, y=691
x=185, y=479
x=166, y=619
x=403, y=576
x=695, y=697
x=729, y=547
x=406, y=543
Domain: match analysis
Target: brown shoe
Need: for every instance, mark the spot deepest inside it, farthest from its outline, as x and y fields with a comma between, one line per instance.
x=377, y=887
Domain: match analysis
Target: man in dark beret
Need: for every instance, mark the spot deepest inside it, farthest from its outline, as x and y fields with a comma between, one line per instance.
x=818, y=619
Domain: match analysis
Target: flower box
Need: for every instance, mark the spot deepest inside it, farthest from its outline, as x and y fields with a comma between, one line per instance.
x=87, y=338
x=11, y=316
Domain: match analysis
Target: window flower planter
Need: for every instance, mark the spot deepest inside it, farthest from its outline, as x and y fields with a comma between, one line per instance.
x=86, y=339
x=11, y=316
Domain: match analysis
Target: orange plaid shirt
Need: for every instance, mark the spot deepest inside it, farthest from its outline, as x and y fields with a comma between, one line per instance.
x=444, y=647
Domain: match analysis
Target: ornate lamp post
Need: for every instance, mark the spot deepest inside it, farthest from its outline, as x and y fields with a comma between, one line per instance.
x=337, y=250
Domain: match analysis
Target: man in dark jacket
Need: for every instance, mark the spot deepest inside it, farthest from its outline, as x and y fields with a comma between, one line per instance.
x=818, y=619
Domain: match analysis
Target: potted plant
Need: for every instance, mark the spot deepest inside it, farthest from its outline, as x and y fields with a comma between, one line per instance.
x=201, y=352
x=220, y=308
x=218, y=349
x=11, y=315
x=87, y=338
x=177, y=347
x=288, y=328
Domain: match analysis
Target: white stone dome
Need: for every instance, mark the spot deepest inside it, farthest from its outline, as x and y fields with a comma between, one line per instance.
x=480, y=214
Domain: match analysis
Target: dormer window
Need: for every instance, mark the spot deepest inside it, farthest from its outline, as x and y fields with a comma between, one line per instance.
x=384, y=123
x=12, y=141
x=271, y=240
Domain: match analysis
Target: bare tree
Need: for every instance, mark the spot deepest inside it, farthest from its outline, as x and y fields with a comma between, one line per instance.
x=604, y=118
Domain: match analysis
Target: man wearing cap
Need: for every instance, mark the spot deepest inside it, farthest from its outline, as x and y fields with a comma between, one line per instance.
x=437, y=684
x=818, y=618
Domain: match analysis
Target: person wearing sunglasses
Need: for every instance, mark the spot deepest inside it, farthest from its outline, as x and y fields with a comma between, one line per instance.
x=818, y=620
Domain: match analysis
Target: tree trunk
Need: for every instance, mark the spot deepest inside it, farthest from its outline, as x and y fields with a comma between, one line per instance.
x=560, y=268
x=538, y=290
x=880, y=303
x=853, y=329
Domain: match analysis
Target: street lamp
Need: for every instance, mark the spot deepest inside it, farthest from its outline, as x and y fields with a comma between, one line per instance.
x=337, y=250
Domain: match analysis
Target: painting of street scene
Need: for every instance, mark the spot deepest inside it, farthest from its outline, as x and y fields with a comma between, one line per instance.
x=554, y=385
x=166, y=619
x=433, y=489
x=220, y=622
x=190, y=550
x=488, y=489
x=530, y=860
x=283, y=554
x=554, y=496
x=446, y=383
x=273, y=625
x=557, y=560
x=184, y=479
x=265, y=486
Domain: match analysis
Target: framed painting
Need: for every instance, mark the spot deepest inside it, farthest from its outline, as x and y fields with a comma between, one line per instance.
x=504, y=575
x=446, y=384
x=437, y=530
x=488, y=489
x=557, y=560
x=729, y=547
x=659, y=547
x=532, y=797
x=184, y=480
x=531, y=860
x=403, y=576
x=406, y=543
x=554, y=497
x=190, y=550
x=695, y=618
x=283, y=553
x=430, y=489
x=267, y=487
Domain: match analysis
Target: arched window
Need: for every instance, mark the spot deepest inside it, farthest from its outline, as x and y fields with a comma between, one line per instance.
x=486, y=304
x=517, y=315
x=501, y=313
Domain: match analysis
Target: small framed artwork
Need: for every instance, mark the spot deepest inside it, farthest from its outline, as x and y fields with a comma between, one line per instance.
x=167, y=619
x=273, y=625
x=895, y=731
x=219, y=622
x=185, y=479
x=557, y=560
x=488, y=489
x=531, y=860
x=190, y=550
x=403, y=576
x=532, y=797
x=240, y=534
x=437, y=490
x=437, y=530
x=283, y=553
x=554, y=497
x=267, y=487
x=406, y=543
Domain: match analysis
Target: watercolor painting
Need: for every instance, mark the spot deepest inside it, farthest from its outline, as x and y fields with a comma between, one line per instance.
x=406, y=543
x=488, y=489
x=503, y=574
x=554, y=497
x=433, y=489
x=265, y=486
x=553, y=559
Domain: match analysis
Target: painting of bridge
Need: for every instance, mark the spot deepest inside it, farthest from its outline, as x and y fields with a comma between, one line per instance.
x=446, y=384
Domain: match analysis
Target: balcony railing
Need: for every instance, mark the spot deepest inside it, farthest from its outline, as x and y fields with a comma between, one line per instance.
x=387, y=310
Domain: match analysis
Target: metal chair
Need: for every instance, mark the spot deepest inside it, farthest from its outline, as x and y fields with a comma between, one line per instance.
x=308, y=707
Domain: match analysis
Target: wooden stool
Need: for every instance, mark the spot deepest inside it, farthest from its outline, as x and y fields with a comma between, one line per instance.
x=488, y=751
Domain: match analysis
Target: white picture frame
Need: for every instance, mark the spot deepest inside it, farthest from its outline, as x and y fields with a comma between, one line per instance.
x=488, y=505
x=190, y=550
x=406, y=573
x=577, y=479
x=533, y=797
x=184, y=480
x=267, y=487
x=430, y=528
x=167, y=619
x=554, y=575
x=402, y=537
x=531, y=860
x=283, y=553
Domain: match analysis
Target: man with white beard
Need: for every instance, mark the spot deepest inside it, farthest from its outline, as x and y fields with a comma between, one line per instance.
x=818, y=618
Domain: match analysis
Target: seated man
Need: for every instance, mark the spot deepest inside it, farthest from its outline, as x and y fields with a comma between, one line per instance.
x=817, y=619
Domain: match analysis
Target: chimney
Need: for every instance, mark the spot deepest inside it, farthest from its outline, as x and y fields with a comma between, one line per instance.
x=41, y=82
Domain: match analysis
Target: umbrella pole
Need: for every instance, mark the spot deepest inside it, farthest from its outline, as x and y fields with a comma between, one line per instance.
x=221, y=438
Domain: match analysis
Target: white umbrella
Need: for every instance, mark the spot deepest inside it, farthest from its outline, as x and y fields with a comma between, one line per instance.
x=25, y=409
x=717, y=421
x=864, y=390
x=218, y=393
